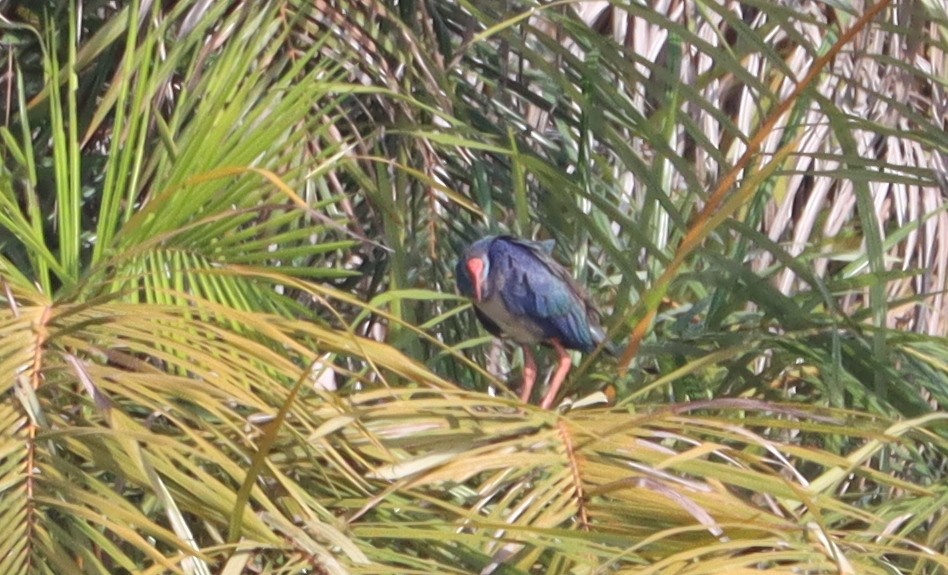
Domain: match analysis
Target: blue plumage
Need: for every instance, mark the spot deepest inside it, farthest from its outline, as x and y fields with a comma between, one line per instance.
x=521, y=292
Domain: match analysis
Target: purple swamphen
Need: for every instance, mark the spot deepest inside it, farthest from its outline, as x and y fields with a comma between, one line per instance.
x=520, y=292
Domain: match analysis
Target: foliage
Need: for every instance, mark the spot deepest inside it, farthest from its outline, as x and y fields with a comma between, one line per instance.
x=212, y=215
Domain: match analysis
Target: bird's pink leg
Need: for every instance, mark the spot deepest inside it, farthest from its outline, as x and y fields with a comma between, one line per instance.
x=529, y=375
x=561, y=370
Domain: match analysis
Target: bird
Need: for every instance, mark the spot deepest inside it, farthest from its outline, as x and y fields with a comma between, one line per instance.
x=520, y=292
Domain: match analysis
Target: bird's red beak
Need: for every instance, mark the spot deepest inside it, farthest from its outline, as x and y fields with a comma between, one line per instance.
x=476, y=267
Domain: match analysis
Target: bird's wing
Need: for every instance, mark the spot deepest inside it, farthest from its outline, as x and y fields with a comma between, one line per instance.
x=538, y=289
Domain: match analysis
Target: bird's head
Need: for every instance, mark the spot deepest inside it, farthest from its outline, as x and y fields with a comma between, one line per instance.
x=473, y=268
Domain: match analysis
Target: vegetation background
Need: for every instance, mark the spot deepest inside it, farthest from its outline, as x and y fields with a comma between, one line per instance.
x=229, y=340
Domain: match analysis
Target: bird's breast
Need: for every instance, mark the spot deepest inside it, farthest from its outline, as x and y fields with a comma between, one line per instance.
x=519, y=329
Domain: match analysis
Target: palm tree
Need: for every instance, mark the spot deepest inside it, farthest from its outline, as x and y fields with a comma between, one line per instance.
x=231, y=340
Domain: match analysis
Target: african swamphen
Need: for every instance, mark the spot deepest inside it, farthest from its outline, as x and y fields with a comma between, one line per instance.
x=521, y=292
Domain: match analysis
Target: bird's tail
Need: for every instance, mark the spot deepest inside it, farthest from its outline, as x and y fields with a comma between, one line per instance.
x=600, y=337
x=611, y=348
